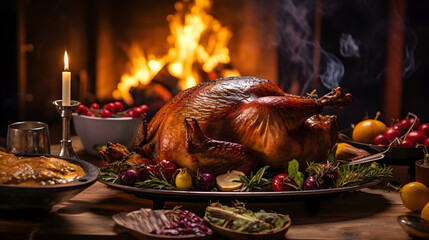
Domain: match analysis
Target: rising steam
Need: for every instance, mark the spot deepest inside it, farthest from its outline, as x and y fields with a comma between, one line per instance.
x=408, y=64
x=349, y=47
x=296, y=41
x=333, y=71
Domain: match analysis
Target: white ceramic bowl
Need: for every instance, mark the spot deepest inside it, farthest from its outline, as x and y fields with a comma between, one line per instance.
x=99, y=131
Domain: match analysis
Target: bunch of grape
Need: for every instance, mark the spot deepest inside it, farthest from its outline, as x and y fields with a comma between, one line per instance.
x=187, y=223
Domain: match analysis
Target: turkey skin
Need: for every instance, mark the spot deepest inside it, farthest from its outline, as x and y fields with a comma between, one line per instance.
x=238, y=123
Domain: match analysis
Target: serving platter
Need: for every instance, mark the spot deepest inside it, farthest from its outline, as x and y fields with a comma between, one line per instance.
x=42, y=198
x=160, y=196
x=394, y=155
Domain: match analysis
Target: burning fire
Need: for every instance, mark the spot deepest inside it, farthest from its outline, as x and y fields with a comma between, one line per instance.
x=195, y=37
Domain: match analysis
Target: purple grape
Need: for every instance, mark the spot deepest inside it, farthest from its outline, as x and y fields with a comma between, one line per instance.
x=188, y=223
x=311, y=183
x=206, y=182
x=129, y=177
x=170, y=232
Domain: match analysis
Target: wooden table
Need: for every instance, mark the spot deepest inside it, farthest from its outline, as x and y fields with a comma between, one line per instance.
x=364, y=214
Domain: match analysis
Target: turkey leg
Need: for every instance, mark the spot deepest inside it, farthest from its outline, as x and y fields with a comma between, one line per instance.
x=336, y=99
x=289, y=111
x=217, y=157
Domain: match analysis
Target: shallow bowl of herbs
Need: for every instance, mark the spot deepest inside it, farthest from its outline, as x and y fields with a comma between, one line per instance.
x=237, y=222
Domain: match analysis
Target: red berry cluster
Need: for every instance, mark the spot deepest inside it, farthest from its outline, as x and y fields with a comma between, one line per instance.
x=187, y=223
x=163, y=168
x=137, y=111
x=112, y=109
x=407, y=132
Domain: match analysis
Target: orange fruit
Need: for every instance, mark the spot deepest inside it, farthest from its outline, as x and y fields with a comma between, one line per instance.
x=366, y=130
x=226, y=182
x=425, y=212
x=415, y=196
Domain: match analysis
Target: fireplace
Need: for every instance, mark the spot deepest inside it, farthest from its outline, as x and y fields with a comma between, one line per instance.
x=367, y=47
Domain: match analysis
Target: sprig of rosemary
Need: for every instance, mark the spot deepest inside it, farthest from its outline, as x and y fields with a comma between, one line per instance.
x=110, y=172
x=361, y=173
x=118, y=166
x=256, y=182
x=109, y=176
x=155, y=183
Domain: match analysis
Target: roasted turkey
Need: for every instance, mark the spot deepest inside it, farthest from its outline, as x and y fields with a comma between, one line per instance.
x=237, y=123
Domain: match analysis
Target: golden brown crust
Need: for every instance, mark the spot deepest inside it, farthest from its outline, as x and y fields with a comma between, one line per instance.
x=250, y=111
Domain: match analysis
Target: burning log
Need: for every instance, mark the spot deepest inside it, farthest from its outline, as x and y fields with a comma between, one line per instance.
x=153, y=94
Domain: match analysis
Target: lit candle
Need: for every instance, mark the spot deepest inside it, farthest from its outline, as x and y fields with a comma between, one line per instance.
x=66, y=81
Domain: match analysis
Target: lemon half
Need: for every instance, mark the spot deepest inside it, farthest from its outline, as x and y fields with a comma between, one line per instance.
x=226, y=183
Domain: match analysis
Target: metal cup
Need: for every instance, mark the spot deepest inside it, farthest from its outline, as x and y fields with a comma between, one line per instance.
x=28, y=137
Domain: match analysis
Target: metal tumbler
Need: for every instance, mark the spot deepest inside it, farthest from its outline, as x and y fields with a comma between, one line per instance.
x=28, y=137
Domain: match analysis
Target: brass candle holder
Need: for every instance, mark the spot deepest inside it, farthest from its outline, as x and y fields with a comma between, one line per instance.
x=66, y=148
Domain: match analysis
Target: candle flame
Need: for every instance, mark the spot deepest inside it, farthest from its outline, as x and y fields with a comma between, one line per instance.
x=66, y=61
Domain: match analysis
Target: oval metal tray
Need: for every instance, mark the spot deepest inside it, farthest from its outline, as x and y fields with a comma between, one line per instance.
x=159, y=196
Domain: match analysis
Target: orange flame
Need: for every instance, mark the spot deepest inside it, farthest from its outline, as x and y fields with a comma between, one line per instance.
x=66, y=61
x=195, y=37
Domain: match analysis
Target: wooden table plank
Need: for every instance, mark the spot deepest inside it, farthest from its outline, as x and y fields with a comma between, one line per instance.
x=365, y=214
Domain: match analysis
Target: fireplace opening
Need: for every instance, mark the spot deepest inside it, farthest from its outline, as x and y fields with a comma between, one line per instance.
x=145, y=52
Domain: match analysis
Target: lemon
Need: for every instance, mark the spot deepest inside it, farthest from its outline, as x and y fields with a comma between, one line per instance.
x=425, y=212
x=183, y=179
x=226, y=183
x=366, y=130
x=415, y=196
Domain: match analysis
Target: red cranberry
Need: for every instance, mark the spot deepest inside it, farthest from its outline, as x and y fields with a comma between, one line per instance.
x=106, y=113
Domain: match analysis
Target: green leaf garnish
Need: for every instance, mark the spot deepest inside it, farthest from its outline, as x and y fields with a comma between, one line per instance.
x=295, y=174
x=256, y=182
x=331, y=158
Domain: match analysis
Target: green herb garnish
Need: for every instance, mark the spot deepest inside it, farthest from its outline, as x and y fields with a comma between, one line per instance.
x=257, y=182
x=155, y=183
x=109, y=176
x=241, y=219
x=361, y=173
x=295, y=174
